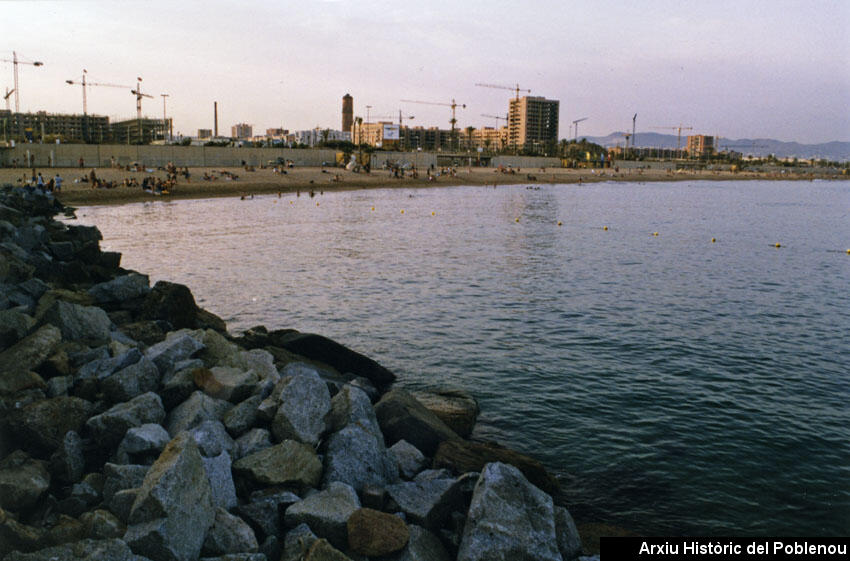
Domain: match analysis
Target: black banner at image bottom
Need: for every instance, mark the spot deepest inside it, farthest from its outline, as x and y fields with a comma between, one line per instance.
x=696, y=549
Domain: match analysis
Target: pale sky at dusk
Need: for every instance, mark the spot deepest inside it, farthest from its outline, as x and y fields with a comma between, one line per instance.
x=777, y=69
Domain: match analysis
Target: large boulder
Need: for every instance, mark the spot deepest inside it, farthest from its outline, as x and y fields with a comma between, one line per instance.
x=109, y=427
x=194, y=411
x=374, y=533
x=351, y=405
x=326, y=513
x=229, y=534
x=78, y=322
x=173, y=509
x=423, y=545
x=455, y=407
x=171, y=302
x=358, y=457
x=288, y=463
x=178, y=345
x=145, y=440
x=127, y=383
x=303, y=403
x=569, y=541
x=220, y=475
x=330, y=352
x=410, y=459
x=464, y=456
x=264, y=510
x=42, y=425
x=226, y=382
x=508, y=518
x=23, y=481
x=68, y=462
x=84, y=550
x=242, y=416
x=402, y=417
x=17, y=362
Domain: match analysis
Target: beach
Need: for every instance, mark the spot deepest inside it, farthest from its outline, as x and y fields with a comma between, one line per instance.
x=266, y=180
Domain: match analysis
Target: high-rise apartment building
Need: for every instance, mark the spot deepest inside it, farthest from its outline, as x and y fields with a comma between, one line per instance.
x=532, y=121
x=699, y=144
x=241, y=130
x=347, y=112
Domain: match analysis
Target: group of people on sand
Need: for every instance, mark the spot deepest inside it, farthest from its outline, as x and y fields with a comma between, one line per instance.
x=37, y=181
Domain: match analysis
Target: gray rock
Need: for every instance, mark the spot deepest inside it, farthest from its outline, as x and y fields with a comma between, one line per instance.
x=146, y=439
x=23, y=481
x=410, y=459
x=242, y=416
x=121, y=504
x=259, y=556
x=229, y=534
x=59, y=386
x=119, y=477
x=14, y=325
x=402, y=417
x=252, y=441
x=226, y=382
x=110, y=426
x=194, y=411
x=455, y=407
x=101, y=524
x=212, y=438
x=121, y=288
x=67, y=462
x=220, y=476
x=304, y=401
x=428, y=503
x=326, y=513
x=288, y=463
x=217, y=348
x=358, y=457
x=263, y=511
x=17, y=361
x=129, y=382
x=85, y=550
x=173, y=509
x=258, y=361
x=42, y=425
x=352, y=405
x=297, y=543
x=177, y=387
x=422, y=546
x=78, y=322
x=508, y=518
x=102, y=367
x=569, y=541
x=178, y=345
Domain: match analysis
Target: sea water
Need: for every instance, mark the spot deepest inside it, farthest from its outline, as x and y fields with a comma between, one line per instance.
x=650, y=343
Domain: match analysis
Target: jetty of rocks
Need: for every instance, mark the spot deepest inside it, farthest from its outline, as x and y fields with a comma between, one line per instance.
x=133, y=426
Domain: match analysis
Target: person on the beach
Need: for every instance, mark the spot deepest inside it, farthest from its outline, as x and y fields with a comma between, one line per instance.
x=57, y=183
x=93, y=178
x=81, y=162
x=39, y=181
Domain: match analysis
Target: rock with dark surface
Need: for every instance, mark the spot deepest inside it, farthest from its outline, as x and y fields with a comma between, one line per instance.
x=102, y=524
x=212, y=439
x=23, y=481
x=265, y=509
x=402, y=417
x=225, y=382
x=427, y=503
x=119, y=289
x=220, y=476
x=288, y=463
x=120, y=477
x=84, y=550
x=110, y=426
x=303, y=403
x=146, y=439
x=178, y=345
x=352, y=405
x=455, y=407
x=326, y=512
x=67, y=462
x=171, y=302
x=242, y=416
x=42, y=425
x=298, y=542
x=373, y=533
x=229, y=534
x=322, y=550
x=422, y=546
x=359, y=458
x=17, y=536
x=252, y=441
x=78, y=322
x=14, y=326
x=508, y=518
x=410, y=459
x=194, y=411
x=17, y=362
x=173, y=509
x=569, y=541
x=338, y=356
x=465, y=456
x=129, y=382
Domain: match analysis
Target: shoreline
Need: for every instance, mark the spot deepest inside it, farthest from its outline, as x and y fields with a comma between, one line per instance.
x=265, y=181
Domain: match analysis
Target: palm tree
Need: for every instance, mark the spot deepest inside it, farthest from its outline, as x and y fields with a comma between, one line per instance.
x=469, y=136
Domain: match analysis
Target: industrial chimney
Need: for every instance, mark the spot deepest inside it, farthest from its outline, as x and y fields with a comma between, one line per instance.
x=347, y=112
x=215, y=119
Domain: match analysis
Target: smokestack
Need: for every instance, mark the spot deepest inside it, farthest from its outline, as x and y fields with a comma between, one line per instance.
x=215, y=119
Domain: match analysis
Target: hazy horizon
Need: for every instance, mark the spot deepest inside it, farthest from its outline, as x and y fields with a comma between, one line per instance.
x=756, y=69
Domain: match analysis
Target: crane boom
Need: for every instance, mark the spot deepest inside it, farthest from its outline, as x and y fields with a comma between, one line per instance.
x=15, y=62
x=575, y=124
x=83, y=83
x=454, y=105
x=514, y=88
x=680, y=128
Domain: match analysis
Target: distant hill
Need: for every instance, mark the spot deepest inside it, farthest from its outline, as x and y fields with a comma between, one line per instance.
x=835, y=151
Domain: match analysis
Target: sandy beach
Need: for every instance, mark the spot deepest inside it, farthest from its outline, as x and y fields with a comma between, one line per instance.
x=265, y=180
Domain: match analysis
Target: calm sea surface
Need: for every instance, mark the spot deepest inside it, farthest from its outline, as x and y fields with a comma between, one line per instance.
x=674, y=384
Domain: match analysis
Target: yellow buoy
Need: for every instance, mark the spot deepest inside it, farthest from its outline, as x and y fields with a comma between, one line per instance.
x=605, y=228
x=317, y=204
x=848, y=252
x=373, y=208
x=655, y=234
x=778, y=244
x=516, y=219
x=402, y=211
x=713, y=240
x=560, y=223
x=291, y=202
x=433, y=213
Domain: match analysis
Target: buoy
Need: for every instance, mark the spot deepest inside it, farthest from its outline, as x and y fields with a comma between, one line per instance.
x=655, y=234
x=778, y=244
x=402, y=211
x=848, y=252
x=433, y=213
x=373, y=208
x=560, y=223
x=291, y=202
x=516, y=220
x=713, y=240
x=317, y=204
x=605, y=228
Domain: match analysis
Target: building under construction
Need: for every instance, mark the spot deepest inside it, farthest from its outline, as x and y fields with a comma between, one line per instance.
x=93, y=129
x=532, y=122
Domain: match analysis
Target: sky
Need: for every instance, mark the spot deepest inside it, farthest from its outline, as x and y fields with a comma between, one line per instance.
x=739, y=69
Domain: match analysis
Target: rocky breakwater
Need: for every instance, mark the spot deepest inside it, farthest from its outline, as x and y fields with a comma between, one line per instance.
x=133, y=427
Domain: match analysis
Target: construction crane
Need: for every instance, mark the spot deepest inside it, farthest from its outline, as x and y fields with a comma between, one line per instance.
x=498, y=118
x=6, y=97
x=516, y=88
x=139, y=95
x=575, y=124
x=83, y=83
x=680, y=128
x=15, y=62
x=634, y=119
x=454, y=105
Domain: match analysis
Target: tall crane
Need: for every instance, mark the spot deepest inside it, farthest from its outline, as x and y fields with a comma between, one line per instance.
x=454, y=105
x=83, y=83
x=17, y=89
x=575, y=124
x=7, y=96
x=139, y=95
x=516, y=88
x=680, y=128
x=497, y=117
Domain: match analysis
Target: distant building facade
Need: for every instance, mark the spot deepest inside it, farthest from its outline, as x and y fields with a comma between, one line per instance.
x=314, y=137
x=242, y=130
x=139, y=131
x=699, y=144
x=203, y=134
x=347, y=112
x=532, y=121
x=68, y=128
